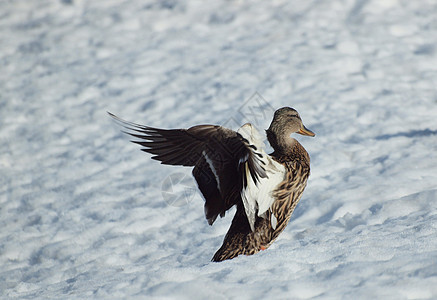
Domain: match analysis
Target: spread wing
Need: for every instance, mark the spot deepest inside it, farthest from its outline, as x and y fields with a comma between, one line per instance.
x=223, y=160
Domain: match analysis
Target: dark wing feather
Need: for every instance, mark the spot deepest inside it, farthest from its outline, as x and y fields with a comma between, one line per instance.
x=216, y=153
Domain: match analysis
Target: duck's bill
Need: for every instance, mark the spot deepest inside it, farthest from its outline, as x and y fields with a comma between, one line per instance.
x=306, y=131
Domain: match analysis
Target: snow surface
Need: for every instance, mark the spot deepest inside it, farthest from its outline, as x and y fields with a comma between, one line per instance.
x=81, y=209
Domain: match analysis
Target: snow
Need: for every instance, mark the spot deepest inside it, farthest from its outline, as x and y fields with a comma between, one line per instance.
x=81, y=209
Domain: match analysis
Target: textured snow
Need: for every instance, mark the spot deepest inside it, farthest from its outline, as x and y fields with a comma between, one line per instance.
x=81, y=209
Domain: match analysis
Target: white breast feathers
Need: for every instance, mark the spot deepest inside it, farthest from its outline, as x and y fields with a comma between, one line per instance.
x=258, y=197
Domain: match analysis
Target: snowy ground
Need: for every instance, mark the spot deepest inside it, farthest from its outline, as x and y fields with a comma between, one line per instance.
x=81, y=209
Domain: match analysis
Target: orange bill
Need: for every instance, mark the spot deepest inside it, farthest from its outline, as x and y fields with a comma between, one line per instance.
x=305, y=131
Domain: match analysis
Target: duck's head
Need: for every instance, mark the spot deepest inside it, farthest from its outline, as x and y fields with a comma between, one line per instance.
x=287, y=121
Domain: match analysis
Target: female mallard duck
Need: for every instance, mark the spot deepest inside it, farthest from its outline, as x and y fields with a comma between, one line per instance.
x=232, y=168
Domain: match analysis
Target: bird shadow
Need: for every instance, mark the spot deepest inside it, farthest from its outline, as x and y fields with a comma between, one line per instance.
x=409, y=134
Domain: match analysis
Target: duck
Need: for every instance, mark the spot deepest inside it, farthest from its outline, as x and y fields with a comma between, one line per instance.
x=232, y=168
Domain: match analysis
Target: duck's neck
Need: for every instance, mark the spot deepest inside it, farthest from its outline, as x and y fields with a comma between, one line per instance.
x=280, y=141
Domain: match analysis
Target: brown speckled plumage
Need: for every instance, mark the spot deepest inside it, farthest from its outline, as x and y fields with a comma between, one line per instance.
x=223, y=160
x=240, y=239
